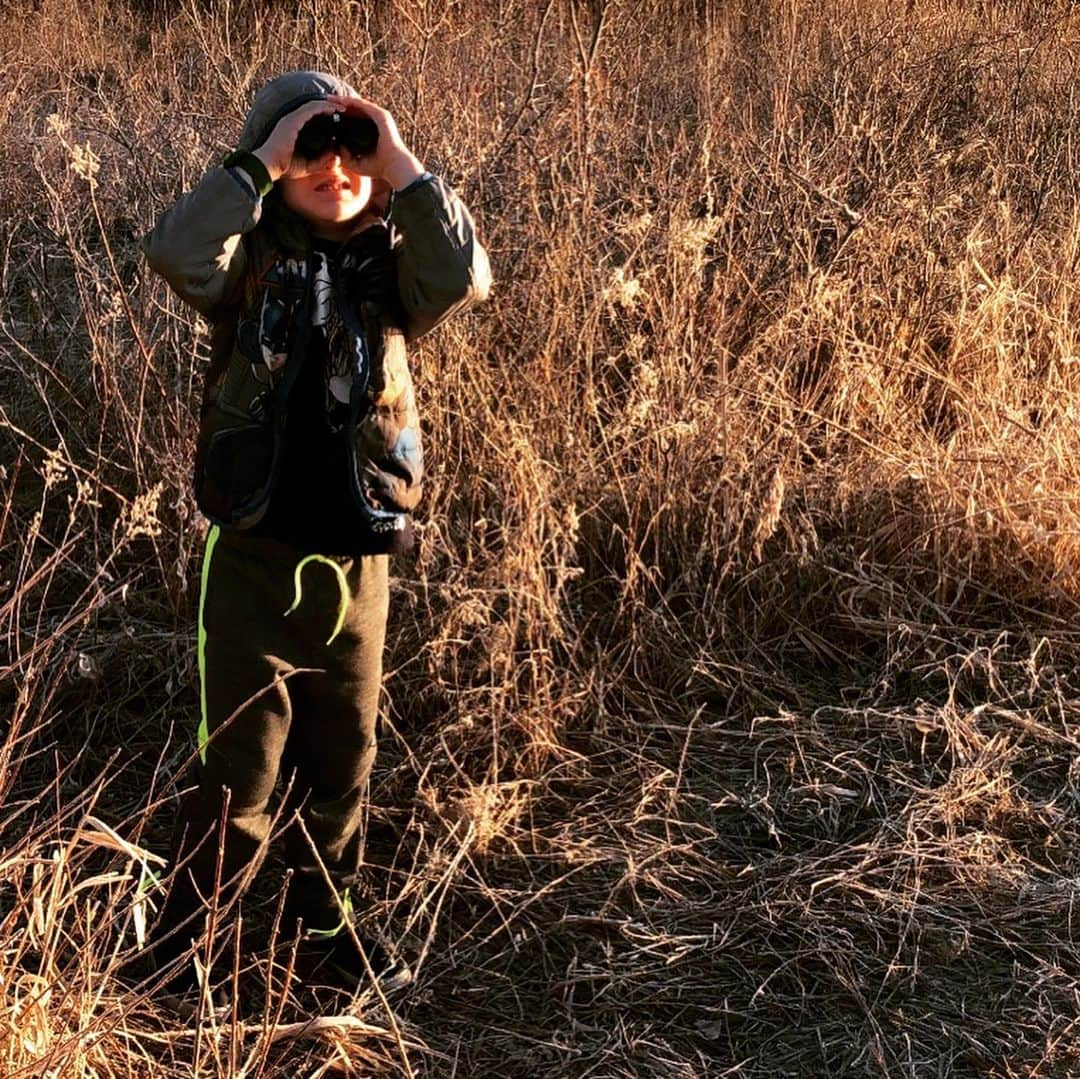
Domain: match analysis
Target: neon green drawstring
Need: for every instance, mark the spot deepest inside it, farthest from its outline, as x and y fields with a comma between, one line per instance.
x=345, y=898
x=343, y=590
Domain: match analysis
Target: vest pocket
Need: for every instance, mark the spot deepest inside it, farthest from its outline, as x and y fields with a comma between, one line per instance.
x=233, y=471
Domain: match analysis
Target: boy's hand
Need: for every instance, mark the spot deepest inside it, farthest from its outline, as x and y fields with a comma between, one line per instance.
x=392, y=160
x=276, y=153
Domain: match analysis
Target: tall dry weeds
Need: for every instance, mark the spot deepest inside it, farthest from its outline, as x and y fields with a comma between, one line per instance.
x=732, y=715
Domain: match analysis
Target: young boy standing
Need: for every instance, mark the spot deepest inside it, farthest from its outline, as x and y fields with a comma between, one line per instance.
x=315, y=252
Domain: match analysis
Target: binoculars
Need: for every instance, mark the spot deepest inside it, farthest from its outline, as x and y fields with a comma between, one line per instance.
x=350, y=131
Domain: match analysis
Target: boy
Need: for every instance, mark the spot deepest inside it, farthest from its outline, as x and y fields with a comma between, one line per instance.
x=308, y=462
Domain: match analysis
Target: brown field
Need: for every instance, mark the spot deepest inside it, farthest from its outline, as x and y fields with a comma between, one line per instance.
x=733, y=711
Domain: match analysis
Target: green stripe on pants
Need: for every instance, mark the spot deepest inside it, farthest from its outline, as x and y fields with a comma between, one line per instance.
x=204, y=723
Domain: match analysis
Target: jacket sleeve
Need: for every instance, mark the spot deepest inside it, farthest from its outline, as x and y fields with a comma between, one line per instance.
x=195, y=244
x=441, y=267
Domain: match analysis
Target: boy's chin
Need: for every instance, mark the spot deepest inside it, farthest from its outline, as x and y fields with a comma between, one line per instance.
x=327, y=211
x=334, y=216
x=345, y=215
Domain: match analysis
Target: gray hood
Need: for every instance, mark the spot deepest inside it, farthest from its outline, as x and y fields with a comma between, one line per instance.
x=283, y=94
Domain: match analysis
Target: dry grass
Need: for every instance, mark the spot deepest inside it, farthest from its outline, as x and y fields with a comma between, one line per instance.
x=734, y=704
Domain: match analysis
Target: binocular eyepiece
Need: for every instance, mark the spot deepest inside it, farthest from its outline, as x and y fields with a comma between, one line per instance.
x=353, y=132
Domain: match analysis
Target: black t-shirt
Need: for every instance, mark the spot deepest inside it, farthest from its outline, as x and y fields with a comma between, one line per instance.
x=312, y=508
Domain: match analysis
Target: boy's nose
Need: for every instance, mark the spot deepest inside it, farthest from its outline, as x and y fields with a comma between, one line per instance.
x=330, y=157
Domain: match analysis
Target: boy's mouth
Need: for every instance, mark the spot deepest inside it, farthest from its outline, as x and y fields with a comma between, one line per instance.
x=333, y=185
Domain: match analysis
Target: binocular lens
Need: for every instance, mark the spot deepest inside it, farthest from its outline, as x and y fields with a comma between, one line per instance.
x=359, y=135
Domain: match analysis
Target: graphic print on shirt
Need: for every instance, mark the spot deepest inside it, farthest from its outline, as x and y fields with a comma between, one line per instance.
x=346, y=354
x=322, y=291
x=273, y=333
x=263, y=337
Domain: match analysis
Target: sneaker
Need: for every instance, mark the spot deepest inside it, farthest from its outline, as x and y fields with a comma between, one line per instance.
x=337, y=957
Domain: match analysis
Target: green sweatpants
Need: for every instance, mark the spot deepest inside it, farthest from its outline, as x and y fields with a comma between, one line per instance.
x=291, y=665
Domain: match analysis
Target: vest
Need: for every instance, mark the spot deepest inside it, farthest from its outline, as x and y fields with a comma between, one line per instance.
x=256, y=357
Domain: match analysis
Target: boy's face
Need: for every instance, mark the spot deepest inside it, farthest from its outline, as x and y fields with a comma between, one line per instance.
x=329, y=195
